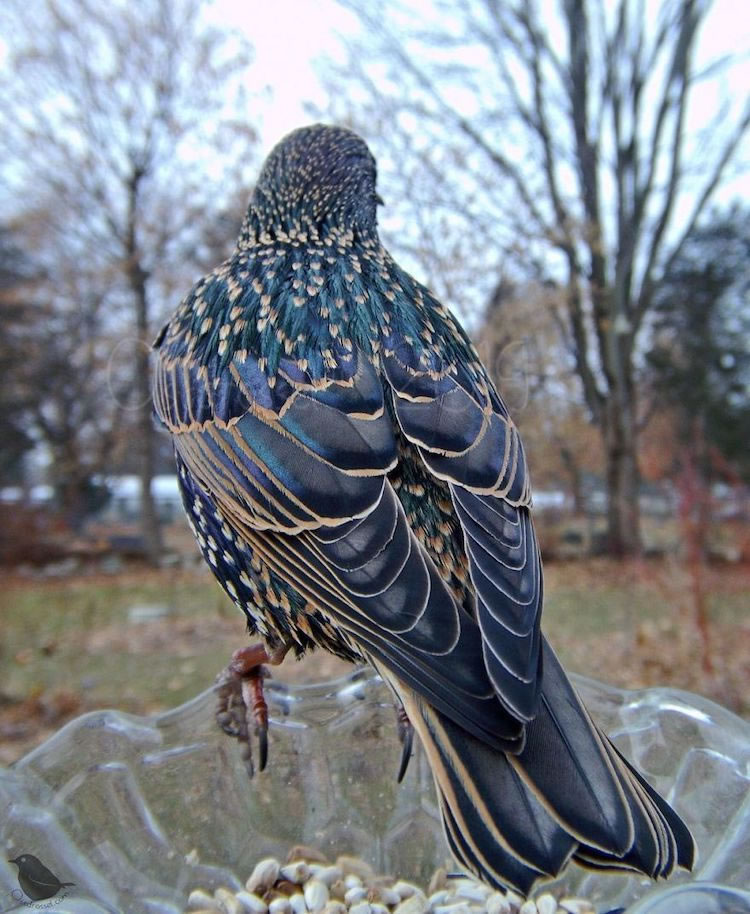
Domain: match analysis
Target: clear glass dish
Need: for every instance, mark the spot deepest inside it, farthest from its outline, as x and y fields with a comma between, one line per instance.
x=137, y=812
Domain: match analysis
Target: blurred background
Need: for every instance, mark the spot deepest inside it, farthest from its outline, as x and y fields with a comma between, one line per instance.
x=571, y=178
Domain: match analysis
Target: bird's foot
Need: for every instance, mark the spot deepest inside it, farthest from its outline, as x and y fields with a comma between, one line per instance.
x=241, y=699
x=406, y=738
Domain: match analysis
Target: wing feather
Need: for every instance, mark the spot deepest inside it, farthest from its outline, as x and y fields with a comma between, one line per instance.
x=300, y=474
x=465, y=436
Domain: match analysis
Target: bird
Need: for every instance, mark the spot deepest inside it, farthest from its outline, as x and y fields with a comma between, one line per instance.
x=356, y=484
x=36, y=880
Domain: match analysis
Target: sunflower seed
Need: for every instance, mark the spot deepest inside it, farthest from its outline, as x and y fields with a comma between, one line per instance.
x=405, y=889
x=456, y=907
x=279, y=906
x=546, y=904
x=326, y=873
x=339, y=889
x=264, y=875
x=252, y=903
x=297, y=871
x=309, y=884
x=316, y=894
x=498, y=904
x=384, y=895
x=439, y=880
x=335, y=907
x=472, y=891
x=228, y=902
x=439, y=897
x=297, y=903
x=415, y=904
x=361, y=907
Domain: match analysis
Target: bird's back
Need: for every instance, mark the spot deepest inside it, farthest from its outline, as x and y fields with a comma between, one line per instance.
x=356, y=483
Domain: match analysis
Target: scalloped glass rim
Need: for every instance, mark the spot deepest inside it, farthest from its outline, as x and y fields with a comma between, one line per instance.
x=137, y=811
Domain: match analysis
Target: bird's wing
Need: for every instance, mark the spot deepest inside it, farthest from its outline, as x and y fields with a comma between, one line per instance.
x=451, y=412
x=453, y=415
x=298, y=469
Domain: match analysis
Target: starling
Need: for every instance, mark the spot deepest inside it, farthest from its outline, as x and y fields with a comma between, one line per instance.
x=356, y=483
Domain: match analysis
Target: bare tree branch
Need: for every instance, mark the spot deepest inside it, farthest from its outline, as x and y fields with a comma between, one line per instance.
x=99, y=104
x=586, y=138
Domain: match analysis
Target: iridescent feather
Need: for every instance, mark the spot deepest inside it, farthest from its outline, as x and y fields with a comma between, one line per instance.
x=356, y=483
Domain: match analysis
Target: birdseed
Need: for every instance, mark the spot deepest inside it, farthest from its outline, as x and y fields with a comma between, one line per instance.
x=309, y=884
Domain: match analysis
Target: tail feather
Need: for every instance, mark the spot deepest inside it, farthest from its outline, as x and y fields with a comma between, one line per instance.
x=684, y=843
x=482, y=786
x=505, y=868
x=513, y=819
x=656, y=861
x=564, y=764
x=650, y=848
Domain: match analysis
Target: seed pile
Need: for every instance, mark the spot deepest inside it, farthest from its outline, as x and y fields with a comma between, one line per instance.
x=309, y=884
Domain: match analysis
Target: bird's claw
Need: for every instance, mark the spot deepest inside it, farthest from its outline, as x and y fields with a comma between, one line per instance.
x=241, y=703
x=262, y=747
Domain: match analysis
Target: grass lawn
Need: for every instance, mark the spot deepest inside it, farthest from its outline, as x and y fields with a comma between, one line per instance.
x=633, y=624
x=74, y=644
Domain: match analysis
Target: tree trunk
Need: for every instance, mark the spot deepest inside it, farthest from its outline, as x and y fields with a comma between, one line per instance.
x=694, y=486
x=622, y=476
x=574, y=477
x=71, y=497
x=137, y=276
x=149, y=516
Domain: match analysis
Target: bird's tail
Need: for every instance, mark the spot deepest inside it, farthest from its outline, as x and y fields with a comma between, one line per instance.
x=513, y=819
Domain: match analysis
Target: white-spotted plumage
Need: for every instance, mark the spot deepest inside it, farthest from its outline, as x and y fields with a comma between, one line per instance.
x=378, y=503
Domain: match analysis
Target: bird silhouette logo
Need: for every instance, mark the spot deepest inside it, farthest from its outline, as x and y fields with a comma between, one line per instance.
x=36, y=880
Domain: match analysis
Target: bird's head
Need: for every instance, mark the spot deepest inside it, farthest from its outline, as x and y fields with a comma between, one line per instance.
x=316, y=178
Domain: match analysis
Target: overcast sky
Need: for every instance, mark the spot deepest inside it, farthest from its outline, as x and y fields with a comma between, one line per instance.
x=289, y=35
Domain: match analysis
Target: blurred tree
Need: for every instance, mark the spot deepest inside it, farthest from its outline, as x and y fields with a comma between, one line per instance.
x=700, y=364
x=120, y=135
x=700, y=357
x=520, y=341
x=658, y=444
x=16, y=278
x=555, y=142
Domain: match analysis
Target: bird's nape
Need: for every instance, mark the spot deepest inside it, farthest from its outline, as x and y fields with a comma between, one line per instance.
x=317, y=179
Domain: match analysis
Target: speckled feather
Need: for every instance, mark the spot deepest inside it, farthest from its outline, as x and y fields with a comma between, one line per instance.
x=355, y=483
